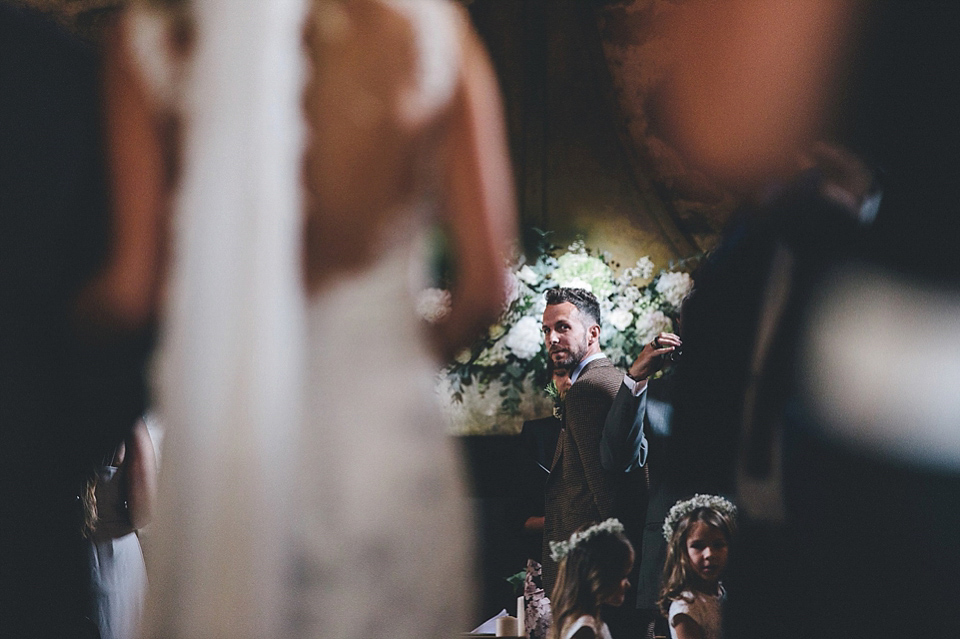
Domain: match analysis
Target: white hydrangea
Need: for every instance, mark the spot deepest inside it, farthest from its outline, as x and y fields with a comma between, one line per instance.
x=513, y=286
x=607, y=333
x=579, y=270
x=606, y=306
x=528, y=275
x=494, y=355
x=644, y=268
x=433, y=304
x=576, y=282
x=651, y=324
x=539, y=305
x=630, y=295
x=615, y=353
x=479, y=412
x=620, y=318
x=674, y=286
x=642, y=271
x=634, y=306
x=524, y=339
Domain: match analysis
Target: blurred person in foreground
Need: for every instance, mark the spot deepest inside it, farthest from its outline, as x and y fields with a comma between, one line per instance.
x=840, y=447
x=308, y=488
x=70, y=384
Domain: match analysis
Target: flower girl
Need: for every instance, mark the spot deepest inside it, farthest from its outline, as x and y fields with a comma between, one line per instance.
x=594, y=564
x=698, y=533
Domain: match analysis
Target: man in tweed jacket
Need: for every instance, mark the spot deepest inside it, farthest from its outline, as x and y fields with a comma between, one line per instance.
x=579, y=491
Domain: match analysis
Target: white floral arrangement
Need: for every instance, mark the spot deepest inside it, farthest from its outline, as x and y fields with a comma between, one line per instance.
x=498, y=383
x=686, y=506
x=560, y=549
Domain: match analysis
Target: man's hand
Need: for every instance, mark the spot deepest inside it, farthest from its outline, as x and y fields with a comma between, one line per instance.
x=650, y=359
x=533, y=525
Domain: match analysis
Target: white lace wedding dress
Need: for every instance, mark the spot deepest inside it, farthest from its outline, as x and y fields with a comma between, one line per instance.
x=308, y=488
x=381, y=538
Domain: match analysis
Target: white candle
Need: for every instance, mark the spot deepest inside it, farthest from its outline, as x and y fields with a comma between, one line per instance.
x=506, y=626
x=521, y=617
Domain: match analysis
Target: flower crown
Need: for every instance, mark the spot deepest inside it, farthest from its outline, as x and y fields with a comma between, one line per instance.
x=560, y=549
x=684, y=507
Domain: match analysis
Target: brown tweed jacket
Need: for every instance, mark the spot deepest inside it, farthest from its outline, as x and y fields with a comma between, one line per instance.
x=578, y=490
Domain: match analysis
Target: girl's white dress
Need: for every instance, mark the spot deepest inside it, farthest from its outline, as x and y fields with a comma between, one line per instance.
x=599, y=628
x=117, y=573
x=704, y=609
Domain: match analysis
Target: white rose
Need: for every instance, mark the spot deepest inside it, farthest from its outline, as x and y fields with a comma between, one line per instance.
x=513, y=288
x=620, y=318
x=528, y=275
x=644, y=268
x=524, y=338
x=579, y=270
x=433, y=304
x=492, y=356
x=674, y=286
x=652, y=324
x=539, y=305
x=496, y=331
x=630, y=295
x=575, y=282
x=607, y=333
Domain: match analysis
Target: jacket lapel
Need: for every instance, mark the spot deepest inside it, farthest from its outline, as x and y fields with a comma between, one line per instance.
x=600, y=362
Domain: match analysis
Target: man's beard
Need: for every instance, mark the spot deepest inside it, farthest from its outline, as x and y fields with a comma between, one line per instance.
x=572, y=357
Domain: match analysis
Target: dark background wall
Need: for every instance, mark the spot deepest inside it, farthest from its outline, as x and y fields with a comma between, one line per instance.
x=576, y=76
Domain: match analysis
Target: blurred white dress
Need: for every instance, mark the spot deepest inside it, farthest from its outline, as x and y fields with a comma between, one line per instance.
x=308, y=488
x=380, y=523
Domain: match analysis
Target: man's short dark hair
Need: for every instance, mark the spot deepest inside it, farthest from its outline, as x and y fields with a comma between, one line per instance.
x=583, y=299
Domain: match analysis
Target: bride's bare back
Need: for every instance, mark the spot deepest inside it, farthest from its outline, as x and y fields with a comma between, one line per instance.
x=376, y=122
x=401, y=105
x=366, y=148
x=402, y=108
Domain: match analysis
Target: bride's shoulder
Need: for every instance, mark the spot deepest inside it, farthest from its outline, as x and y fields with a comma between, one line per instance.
x=151, y=39
x=437, y=9
x=416, y=46
x=419, y=23
x=392, y=16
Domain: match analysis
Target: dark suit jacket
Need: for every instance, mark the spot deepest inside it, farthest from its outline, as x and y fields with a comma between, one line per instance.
x=539, y=439
x=579, y=491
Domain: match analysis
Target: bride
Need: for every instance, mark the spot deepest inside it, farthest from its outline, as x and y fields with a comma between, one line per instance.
x=307, y=486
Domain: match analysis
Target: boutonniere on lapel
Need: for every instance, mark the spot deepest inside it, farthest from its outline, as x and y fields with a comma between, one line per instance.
x=554, y=393
x=557, y=390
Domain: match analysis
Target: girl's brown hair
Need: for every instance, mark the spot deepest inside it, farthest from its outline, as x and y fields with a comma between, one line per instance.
x=678, y=573
x=587, y=575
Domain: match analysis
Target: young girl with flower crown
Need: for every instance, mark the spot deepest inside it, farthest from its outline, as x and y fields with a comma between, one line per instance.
x=593, y=568
x=698, y=533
